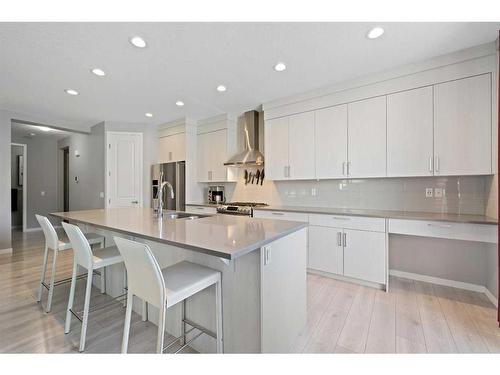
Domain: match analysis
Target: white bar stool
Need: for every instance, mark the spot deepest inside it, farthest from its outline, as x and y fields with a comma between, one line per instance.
x=84, y=257
x=52, y=242
x=166, y=287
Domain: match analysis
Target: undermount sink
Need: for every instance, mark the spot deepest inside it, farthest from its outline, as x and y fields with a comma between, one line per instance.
x=181, y=215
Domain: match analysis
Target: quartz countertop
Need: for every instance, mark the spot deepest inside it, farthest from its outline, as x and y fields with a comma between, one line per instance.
x=225, y=236
x=388, y=214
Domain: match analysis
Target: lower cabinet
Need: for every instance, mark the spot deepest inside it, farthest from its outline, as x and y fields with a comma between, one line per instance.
x=364, y=255
x=326, y=252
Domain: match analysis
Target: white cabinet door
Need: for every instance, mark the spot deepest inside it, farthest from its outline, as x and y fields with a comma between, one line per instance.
x=276, y=148
x=331, y=142
x=364, y=255
x=410, y=133
x=172, y=148
x=301, y=153
x=325, y=249
x=367, y=138
x=462, y=126
x=203, y=154
x=218, y=155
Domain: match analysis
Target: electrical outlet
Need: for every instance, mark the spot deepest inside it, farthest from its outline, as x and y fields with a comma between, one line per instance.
x=428, y=192
x=42, y=193
x=438, y=192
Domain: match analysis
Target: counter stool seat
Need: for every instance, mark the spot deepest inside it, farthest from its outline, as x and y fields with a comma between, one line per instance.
x=106, y=257
x=166, y=287
x=53, y=242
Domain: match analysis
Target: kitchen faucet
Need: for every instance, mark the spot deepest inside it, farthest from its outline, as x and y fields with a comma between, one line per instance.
x=160, y=195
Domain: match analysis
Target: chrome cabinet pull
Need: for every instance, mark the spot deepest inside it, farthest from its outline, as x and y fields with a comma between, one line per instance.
x=170, y=155
x=339, y=238
x=277, y=213
x=348, y=168
x=340, y=218
x=430, y=164
x=284, y=171
x=436, y=164
x=135, y=202
x=439, y=225
x=345, y=240
x=288, y=171
x=343, y=168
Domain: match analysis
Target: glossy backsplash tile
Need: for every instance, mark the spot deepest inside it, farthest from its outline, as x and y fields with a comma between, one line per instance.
x=465, y=194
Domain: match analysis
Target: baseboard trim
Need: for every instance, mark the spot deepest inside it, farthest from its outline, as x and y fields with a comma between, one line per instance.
x=346, y=279
x=6, y=251
x=445, y=282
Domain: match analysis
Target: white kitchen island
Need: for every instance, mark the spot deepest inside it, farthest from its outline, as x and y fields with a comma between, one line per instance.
x=263, y=265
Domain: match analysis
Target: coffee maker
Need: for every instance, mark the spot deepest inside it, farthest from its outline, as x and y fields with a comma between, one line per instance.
x=216, y=195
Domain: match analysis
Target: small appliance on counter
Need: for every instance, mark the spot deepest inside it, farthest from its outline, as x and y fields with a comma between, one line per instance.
x=216, y=195
x=175, y=174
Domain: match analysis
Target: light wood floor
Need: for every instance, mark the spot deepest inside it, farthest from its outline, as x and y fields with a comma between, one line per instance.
x=415, y=317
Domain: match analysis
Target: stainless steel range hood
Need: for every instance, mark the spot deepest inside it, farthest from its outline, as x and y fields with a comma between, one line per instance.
x=251, y=155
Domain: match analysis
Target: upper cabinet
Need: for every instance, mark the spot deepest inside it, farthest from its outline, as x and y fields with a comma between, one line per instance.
x=366, y=146
x=172, y=148
x=462, y=126
x=216, y=142
x=410, y=133
x=291, y=152
x=331, y=142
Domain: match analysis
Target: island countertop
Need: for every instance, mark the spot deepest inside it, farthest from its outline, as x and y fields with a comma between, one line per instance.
x=224, y=236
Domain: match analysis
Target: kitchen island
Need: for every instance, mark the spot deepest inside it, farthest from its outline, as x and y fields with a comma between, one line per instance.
x=263, y=265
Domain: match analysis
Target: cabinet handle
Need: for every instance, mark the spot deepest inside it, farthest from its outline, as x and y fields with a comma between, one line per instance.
x=439, y=225
x=288, y=171
x=339, y=238
x=284, y=171
x=345, y=240
x=436, y=164
x=277, y=213
x=430, y=164
x=340, y=218
x=343, y=168
x=170, y=155
x=348, y=167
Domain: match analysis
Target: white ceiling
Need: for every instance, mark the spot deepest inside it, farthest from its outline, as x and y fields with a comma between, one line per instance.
x=20, y=130
x=186, y=61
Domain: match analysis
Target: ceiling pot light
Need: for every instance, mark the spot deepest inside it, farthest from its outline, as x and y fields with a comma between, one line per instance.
x=179, y=103
x=221, y=88
x=147, y=114
x=98, y=72
x=44, y=128
x=71, y=92
x=279, y=67
x=138, y=42
x=375, y=32
x=32, y=134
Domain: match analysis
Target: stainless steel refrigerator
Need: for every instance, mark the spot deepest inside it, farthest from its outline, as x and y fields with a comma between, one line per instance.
x=175, y=173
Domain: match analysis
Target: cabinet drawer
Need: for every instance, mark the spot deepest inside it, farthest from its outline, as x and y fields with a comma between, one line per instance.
x=441, y=229
x=281, y=215
x=348, y=222
x=201, y=209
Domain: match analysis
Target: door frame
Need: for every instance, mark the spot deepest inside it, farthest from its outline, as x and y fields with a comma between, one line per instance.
x=25, y=180
x=107, y=174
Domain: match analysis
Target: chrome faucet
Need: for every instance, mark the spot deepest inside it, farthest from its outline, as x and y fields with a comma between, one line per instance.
x=160, y=195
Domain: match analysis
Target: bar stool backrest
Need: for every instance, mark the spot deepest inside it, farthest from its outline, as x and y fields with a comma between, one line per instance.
x=81, y=248
x=144, y=276
x=51, y=239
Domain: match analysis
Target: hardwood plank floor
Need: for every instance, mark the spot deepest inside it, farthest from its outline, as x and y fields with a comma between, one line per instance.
x=415, y=317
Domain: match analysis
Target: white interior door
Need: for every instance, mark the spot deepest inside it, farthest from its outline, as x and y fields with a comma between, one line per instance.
x=124, y=167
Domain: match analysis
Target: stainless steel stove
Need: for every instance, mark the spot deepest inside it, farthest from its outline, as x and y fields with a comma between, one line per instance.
x=239, y=208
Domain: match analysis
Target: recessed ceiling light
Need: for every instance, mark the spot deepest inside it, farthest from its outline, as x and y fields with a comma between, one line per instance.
x=221, y=88
x=98, y=72
x=32, y=134
x=375, y=32
x=147, y=114
x=279, y=67
x=71, y=92
x=44, y=128
x=138, y=42
x=179, y=103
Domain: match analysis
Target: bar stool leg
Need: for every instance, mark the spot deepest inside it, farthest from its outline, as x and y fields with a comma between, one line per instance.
x=144, y=311
x=52, y=279
x=126, y=327
x=183, y=324
x=218, y=318
x=103, y=280
x=161, y=329
x=44, y=269
x=67, y=326
x=88, y=290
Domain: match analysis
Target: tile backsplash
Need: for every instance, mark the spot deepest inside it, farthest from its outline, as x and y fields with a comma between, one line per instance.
x=464, y=194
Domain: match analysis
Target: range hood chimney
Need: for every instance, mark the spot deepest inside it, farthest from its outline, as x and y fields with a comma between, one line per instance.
x=251, y=155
